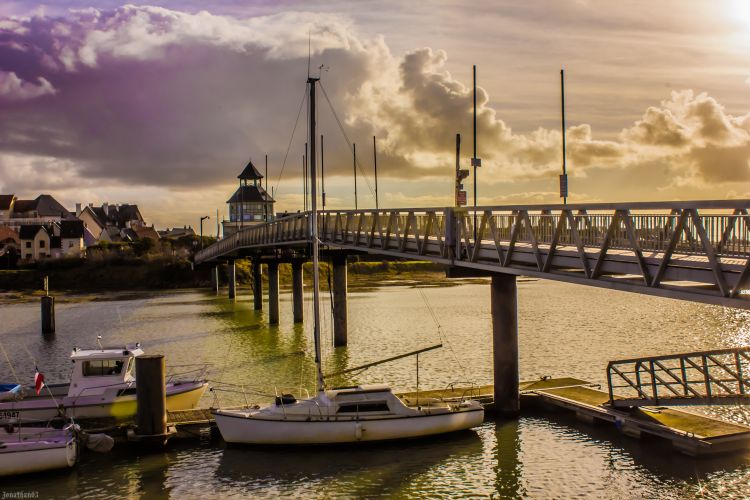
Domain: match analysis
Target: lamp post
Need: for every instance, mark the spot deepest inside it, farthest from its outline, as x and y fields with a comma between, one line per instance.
x=202, y=219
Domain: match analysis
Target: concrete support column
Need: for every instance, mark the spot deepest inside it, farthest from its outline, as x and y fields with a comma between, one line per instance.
x=339, y=301
x=215, y=279
x=298, y=305
x=273, y=293
x=505, y=343
x=257, y=286
x=48, y=314
x=231, y=279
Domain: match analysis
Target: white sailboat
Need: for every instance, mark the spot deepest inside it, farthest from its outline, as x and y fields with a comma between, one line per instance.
x=347, y=414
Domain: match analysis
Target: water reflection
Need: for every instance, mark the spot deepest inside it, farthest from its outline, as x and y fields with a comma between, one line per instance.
x=539, y=455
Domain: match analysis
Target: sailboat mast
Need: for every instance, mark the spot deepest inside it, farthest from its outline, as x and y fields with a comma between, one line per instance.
x=314, y=234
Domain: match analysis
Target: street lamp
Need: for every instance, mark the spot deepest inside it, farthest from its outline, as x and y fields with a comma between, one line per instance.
x=202, y=219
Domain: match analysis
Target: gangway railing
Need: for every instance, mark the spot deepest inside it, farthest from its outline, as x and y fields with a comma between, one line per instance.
x=715, y=377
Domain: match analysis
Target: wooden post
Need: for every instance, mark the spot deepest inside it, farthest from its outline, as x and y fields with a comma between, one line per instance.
x=151, y=395
x=505, y=343
x=339, y=301
x=257, y=285
x=215, y=279
x=273, y=293
x=297, y=292
x=232, y=279
x=48, y=314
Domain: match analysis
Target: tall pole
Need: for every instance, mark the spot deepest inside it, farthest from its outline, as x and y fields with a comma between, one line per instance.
x=474, y=159
x=457, y=187
x=564, y=179
x=265, y=205
x=375, y=161
x=322, y=174
x=355, y=175
x=304, y=168
x=217, y=224
x=314, y=229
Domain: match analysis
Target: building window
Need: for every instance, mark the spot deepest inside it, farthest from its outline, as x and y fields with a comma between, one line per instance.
x=42, y=243
x=28, y=244
x=70, y=244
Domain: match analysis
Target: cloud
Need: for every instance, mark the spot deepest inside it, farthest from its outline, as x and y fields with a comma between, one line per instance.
x=147, y=96
x=13, y=88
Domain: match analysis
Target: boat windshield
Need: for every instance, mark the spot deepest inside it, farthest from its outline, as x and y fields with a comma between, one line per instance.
x=99, y=367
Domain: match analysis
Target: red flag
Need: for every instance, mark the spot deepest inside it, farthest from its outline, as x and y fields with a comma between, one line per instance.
x=38, y=381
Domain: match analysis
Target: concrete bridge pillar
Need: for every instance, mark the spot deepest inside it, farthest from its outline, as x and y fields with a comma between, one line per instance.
x=273, y=293
x=215, y=279
x=257, y=285
x=504, y=298
x=339, y=301
x=231, y=279
x=297, y=292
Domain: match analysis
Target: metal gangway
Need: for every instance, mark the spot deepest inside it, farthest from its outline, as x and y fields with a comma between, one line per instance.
x=715, y=377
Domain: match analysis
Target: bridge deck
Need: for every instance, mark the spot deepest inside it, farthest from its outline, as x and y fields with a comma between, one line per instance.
x=687, y=250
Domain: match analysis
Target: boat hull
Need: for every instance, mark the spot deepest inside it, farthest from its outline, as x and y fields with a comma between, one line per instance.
x=179, y=397
x=248, y=430
x=23, y=456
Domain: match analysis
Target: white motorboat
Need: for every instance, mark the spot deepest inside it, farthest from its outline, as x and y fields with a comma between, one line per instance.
x=34, y=449
x=102, y=385
x=344, y=415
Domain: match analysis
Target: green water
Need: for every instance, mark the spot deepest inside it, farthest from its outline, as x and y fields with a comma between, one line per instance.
x=565, y=330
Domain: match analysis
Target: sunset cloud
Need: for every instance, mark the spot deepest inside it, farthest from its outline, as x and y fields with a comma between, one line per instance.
x=143, y=96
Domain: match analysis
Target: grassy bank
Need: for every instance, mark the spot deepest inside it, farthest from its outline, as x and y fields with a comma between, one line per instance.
x=154, y=273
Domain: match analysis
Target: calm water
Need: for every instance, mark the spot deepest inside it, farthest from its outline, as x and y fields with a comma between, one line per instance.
x=565, y=330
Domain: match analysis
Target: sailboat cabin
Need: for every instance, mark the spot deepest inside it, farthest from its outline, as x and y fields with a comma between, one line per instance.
x=250, y=204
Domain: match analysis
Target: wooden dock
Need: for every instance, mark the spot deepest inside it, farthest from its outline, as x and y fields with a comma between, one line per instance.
x=689, y=433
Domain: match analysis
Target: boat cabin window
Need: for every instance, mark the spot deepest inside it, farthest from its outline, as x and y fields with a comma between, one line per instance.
x=362, y=407
x=99, y=367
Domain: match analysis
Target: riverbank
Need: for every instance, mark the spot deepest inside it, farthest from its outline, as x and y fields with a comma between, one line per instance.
x=169, y=274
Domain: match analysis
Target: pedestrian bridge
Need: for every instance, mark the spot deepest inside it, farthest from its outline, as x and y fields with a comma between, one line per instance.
x=695, y=250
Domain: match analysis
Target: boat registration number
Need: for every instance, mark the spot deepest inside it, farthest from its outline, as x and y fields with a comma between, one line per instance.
x=9, y=414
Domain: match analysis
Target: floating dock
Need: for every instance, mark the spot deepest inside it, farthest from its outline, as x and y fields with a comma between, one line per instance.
x=689, y=433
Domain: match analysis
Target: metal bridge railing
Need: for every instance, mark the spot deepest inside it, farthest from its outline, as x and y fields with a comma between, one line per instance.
x=678, y=249
x=696, y=378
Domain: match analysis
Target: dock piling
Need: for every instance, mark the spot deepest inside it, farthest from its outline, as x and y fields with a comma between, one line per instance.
x=151, y=398
x=257, y=285
x=215, y=279
x=504, y=298
x=273, y=293
x=232, y=279
x=48, y=315
x=297, y=292
x=339, y=301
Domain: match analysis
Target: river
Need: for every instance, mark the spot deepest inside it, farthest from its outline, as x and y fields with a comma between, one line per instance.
x=565, y=330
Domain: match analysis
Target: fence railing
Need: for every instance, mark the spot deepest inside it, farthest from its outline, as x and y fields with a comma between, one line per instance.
x=706, y=377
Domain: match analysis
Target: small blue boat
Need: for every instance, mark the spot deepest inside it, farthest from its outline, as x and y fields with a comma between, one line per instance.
x=9, y=391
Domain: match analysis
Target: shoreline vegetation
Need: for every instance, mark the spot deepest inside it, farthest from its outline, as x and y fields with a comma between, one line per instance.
x=114, y=273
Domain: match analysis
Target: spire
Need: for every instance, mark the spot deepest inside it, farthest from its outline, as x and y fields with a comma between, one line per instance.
x=250, y=173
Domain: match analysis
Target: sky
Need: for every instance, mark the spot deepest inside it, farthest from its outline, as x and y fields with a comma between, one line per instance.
x=163, y=103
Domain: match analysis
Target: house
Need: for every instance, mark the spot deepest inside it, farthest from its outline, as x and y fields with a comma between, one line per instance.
x=250, y=204
x=72, y=238
x=35, y=242
x=6, y=205
x=44, y=209
x=146, y=232
x=111, y=222
x=177, y=233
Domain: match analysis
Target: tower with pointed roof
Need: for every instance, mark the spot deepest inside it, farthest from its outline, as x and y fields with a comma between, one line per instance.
x=250, y=204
